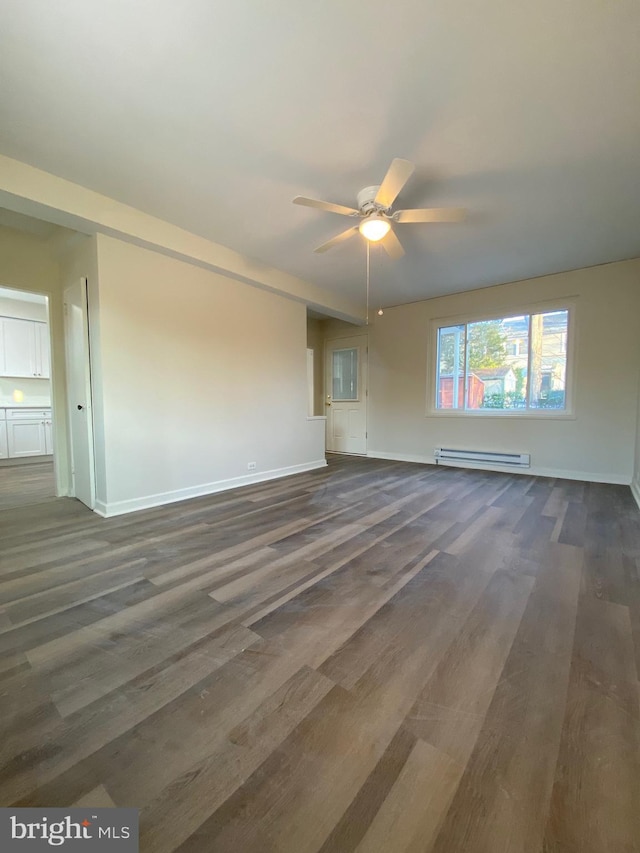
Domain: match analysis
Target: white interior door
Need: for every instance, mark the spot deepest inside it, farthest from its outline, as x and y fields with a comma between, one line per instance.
x=79, y=392
x=346, y=394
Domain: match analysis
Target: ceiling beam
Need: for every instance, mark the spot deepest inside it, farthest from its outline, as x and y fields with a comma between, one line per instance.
x=32, y=192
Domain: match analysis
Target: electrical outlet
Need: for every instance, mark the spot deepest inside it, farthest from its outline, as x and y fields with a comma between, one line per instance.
x=251, y=466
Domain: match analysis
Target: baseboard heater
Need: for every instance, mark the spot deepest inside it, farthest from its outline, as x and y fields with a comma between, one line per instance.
x=485, y=457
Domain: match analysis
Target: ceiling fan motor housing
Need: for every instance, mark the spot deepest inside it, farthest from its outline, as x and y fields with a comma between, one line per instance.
x=366, y=200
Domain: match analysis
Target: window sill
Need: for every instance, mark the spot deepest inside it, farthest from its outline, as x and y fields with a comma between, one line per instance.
x=535, y=415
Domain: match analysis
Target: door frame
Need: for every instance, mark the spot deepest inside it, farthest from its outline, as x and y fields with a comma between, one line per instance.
x=365, y=386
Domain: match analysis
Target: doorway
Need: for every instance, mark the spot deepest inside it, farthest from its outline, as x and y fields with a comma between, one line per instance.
x=26, y=411
x=346, y=394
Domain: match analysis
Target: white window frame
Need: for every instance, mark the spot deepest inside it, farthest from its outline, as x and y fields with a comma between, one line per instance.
x=568, y=413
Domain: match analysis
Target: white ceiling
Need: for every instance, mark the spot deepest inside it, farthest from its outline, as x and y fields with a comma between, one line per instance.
x=214, y=115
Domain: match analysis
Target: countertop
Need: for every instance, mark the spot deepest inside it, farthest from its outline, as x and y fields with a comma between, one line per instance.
x=25, y=405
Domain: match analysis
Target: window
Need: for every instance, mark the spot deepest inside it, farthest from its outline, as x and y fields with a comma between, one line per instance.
x=345, y=374
x=506, y=364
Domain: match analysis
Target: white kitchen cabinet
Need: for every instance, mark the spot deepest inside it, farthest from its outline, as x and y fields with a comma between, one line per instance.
x=28, y=432
x=4, y=449
x=19, y=347
x=24, y=348
x=26, y=438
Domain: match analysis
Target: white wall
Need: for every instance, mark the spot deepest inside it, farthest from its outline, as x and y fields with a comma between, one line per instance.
x=29, y=263
x=30, y=392
x=198, y=375
x=598, y=444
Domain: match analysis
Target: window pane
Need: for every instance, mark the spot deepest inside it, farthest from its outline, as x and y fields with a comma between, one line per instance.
x=451, y=363
x=547, y=386
x=345, y=374
x=497, y=366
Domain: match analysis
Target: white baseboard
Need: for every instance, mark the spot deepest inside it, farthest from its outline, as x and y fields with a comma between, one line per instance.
x=108, y=510
x=588, y=476
x=635, y=491
x=100, y=508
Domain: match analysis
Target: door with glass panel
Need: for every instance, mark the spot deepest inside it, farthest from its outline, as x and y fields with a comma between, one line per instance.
x=346, y=394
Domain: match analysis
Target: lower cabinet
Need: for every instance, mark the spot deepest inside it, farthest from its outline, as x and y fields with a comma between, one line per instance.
x=26, y=438
x=28, y=433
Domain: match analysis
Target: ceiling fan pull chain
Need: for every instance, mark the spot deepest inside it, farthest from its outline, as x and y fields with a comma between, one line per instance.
x=368, y=271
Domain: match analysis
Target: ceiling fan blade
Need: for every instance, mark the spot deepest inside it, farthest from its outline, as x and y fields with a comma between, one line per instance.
x=325, y=205
x=434, y=214
x=337, y=239
x=392, y=245
x=399, y=173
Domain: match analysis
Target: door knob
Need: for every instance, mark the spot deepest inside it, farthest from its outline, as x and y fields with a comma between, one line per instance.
x=327, y=404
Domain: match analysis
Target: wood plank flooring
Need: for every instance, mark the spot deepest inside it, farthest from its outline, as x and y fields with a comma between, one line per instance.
x=373, y=657
x=26, y=483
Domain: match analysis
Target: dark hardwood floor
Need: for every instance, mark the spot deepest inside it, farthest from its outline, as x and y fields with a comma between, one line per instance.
x=374, y=657
x=25, y=484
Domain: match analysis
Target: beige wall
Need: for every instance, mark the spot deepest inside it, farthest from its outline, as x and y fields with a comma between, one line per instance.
x=598, y=443
x=29, y=263
x=198, y=375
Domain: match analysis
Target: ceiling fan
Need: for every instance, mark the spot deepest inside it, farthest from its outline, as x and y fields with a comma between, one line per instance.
x=375, y=214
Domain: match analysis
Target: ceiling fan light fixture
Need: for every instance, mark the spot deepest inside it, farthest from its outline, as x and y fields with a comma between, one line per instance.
x=374, y=227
